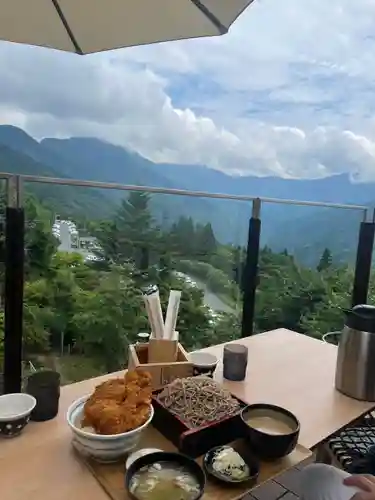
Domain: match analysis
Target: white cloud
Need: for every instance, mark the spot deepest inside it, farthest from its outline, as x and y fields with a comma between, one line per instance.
x=288, y=92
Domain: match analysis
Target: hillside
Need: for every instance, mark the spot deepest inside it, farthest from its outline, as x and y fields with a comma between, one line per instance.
x=306, y=231
x=91, y=159
x=65, y=200
x=99, y=161
x=307, y=237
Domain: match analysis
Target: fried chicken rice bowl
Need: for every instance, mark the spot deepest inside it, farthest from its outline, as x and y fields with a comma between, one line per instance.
x=108, y=424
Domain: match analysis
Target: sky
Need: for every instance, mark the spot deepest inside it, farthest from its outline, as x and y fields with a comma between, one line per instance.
x=289, y=92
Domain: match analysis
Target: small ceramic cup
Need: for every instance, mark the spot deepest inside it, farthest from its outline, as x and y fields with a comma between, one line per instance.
x=45, y=387
x=235, y=362
x=15, y=412
x=203, y=363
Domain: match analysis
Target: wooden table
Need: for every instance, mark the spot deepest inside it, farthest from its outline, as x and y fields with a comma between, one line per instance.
x=285, y=368
x=296, y=372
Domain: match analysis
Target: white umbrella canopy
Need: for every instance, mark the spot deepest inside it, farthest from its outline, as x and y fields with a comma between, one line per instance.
x=87, y=26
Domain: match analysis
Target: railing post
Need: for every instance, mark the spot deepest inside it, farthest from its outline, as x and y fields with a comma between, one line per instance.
x=144, y=259
x=250, y=279
x=363, y=263
x=14, y=280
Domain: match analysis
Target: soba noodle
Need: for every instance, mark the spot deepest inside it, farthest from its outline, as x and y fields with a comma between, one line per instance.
x=198, y=400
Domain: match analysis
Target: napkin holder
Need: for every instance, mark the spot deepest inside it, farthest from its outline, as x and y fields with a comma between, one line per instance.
x=164, y=359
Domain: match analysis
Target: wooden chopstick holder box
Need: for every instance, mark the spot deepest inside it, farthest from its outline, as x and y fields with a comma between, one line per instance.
x=162, y=351
x=165, y=360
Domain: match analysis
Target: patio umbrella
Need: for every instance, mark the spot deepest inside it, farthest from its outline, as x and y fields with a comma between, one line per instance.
x=87, y=26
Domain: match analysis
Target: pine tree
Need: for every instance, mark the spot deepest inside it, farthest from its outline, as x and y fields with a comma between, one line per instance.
x=132, y=235
x=206, y=243
x=325, y=261
x=183, y=237
x=135, y=227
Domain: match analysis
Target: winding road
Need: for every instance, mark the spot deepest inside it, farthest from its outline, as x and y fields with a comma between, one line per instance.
x=210, y=298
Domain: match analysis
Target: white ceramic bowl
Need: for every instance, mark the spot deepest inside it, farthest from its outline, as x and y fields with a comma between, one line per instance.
x=15, y=412
x=103, y=448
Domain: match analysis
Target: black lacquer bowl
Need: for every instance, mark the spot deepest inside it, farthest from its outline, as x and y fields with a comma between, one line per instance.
x=248, y=458
x=159, y=457
x=271, y=431
x=15, y=410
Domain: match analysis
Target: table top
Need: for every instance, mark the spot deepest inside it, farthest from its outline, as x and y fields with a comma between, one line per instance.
x=296, y=372
x=284, y=368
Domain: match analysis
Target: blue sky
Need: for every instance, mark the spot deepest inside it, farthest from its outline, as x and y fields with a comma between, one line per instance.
x=289, y=92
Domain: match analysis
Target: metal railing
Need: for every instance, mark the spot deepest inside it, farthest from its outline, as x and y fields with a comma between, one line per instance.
x=18, y=181
x=14, y=255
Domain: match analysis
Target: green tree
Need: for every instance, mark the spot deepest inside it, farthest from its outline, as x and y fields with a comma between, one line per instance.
x=227, y=327
x=206, y=244
x=50, y=304
x=183, y=238
x=39, y=240
x=131, y=234
x=38, y=316
x=287, y=292
x=325, y=261
x=107, y=234
x=109, y=318
x=135, y=225
x=65, y=291
x=329, y=315
x=194, y=319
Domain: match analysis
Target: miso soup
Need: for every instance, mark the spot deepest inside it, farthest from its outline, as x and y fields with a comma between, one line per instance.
x=164, y=480
x=270, y=425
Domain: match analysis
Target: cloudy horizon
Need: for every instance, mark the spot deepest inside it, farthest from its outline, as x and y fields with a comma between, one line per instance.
x=288, y=92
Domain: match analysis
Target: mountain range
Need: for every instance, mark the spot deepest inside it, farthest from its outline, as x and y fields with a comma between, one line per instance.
x=305, y=231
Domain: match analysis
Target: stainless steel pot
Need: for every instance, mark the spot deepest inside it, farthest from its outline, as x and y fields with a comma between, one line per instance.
x=355, y=370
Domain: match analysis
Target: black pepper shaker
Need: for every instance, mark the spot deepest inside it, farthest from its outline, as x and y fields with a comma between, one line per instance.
x=45, y=387
x=235, y=362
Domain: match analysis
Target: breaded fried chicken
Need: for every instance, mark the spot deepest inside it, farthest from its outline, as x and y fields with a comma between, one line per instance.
x=111, y=389
x=119, y=405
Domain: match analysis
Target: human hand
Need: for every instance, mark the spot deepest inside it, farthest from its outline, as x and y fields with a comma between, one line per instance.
x=365, y=483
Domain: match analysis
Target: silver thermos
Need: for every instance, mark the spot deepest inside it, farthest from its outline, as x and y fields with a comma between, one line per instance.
x=355, y=370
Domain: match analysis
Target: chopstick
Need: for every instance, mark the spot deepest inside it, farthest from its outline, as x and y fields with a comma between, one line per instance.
x=159, y=329
x=155, y=316
x=172, y=314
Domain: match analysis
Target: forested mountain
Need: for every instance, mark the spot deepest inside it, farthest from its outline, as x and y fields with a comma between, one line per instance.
x=304, y=231
x=65, y=200
x=308, y=236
